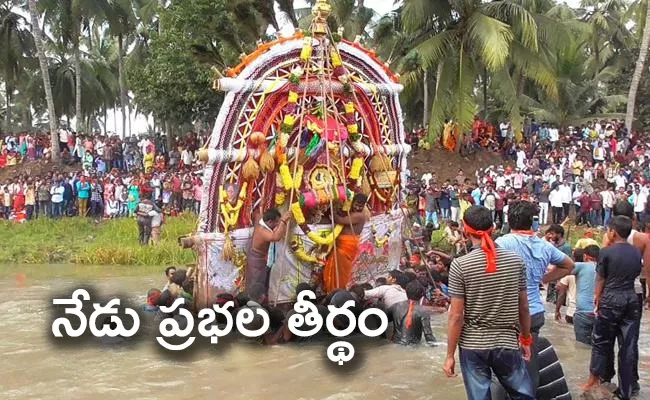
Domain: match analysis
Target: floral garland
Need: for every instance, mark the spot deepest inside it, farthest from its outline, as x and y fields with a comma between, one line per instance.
x=229, y=212
x=301, y=254
x=323, y=237
x=381, y=242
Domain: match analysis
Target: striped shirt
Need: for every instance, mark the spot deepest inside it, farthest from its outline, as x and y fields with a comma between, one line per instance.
x=491, y=299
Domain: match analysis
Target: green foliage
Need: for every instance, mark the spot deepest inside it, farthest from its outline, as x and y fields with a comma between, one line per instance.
x=83, y=241
x=174, y=81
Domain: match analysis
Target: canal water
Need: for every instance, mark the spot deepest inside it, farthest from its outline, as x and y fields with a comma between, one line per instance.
x=34, y=368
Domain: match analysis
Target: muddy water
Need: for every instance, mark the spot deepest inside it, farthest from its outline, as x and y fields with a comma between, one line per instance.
x=32, y=367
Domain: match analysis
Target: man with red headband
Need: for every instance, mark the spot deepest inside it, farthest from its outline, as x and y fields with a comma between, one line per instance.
x=537, y=255
x=489, y=319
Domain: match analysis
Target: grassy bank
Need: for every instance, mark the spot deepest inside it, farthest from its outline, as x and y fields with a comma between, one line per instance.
x=115, y=242
x=84, y=241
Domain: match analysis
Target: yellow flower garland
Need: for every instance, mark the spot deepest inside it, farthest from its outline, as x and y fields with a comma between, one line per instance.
x=287, y=179
x=355, y=170
x=305, y=53
x=297, y=179
x=336, y=59
x=297, y=213
x=381, y=242
x=280, y=198
x=290, y=120
x=229, y=212
x=322, y=239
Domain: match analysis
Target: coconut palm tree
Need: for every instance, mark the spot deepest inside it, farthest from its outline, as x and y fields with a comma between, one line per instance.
x=16, y=50
x=580, y=89
x=468, y=39
x=640, y=64
x=122, y=22
x=69, y=19
x=42, y=59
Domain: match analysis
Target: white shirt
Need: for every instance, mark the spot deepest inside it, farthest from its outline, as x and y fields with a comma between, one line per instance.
x=389, y=294
x=521, y=159
x=57, y=194
x=555, y=198
x=565, y=194
x=99, y=148
x=620, y=181
x=570, y=282
x=639, y=202
x=587, y=175
x=186, y=156
x=608, y=198
x=500, y=181
x=554, y=134
x=119, y=189
x=144, y=143
x=503, y=127
x=426, y=178
x=63, y=136
x=111, y=207
x=157, y=185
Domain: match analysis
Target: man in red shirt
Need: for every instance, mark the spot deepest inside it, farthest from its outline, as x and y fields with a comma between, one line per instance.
x=585, y=209
x=177, y=192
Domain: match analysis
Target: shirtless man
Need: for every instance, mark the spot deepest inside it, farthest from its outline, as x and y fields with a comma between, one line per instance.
x=338, y=268
x=271, y=227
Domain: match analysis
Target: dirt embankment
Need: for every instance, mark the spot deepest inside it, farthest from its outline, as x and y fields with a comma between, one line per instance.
x=446, y=164
x=33, y=169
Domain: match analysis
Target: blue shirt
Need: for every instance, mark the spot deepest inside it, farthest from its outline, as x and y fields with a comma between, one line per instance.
x=83, y=190
x=476, y=194
x=537, y=255
x=585, y=273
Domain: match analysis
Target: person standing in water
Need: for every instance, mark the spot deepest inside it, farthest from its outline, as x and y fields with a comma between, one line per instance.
x=338, y=268
x=617, y=309
x=271, y=227
x=144, y=212
x=537, y=255
x=489, y=319
x=641, y=241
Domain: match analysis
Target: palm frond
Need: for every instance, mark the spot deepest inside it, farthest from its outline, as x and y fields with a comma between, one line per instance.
x=491, y=37
x=519, y=18
x=437, y=47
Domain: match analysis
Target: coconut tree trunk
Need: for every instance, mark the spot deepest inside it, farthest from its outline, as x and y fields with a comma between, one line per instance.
x=8, y=92
x=120, y=68
x=77, y=97
x=485, y=96
x=168, y=136
x=638, y=71
x=425, y=113
x=42, y=60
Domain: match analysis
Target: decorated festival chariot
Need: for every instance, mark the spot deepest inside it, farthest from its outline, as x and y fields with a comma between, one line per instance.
x=307, y=122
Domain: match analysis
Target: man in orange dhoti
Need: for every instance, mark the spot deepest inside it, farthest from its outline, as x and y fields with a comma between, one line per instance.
x=338, y=268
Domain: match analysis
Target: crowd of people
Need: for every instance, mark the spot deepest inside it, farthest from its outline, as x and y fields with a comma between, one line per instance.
x=491, y=282
x=108, y=178
x=399, y=295
x=581, y=175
